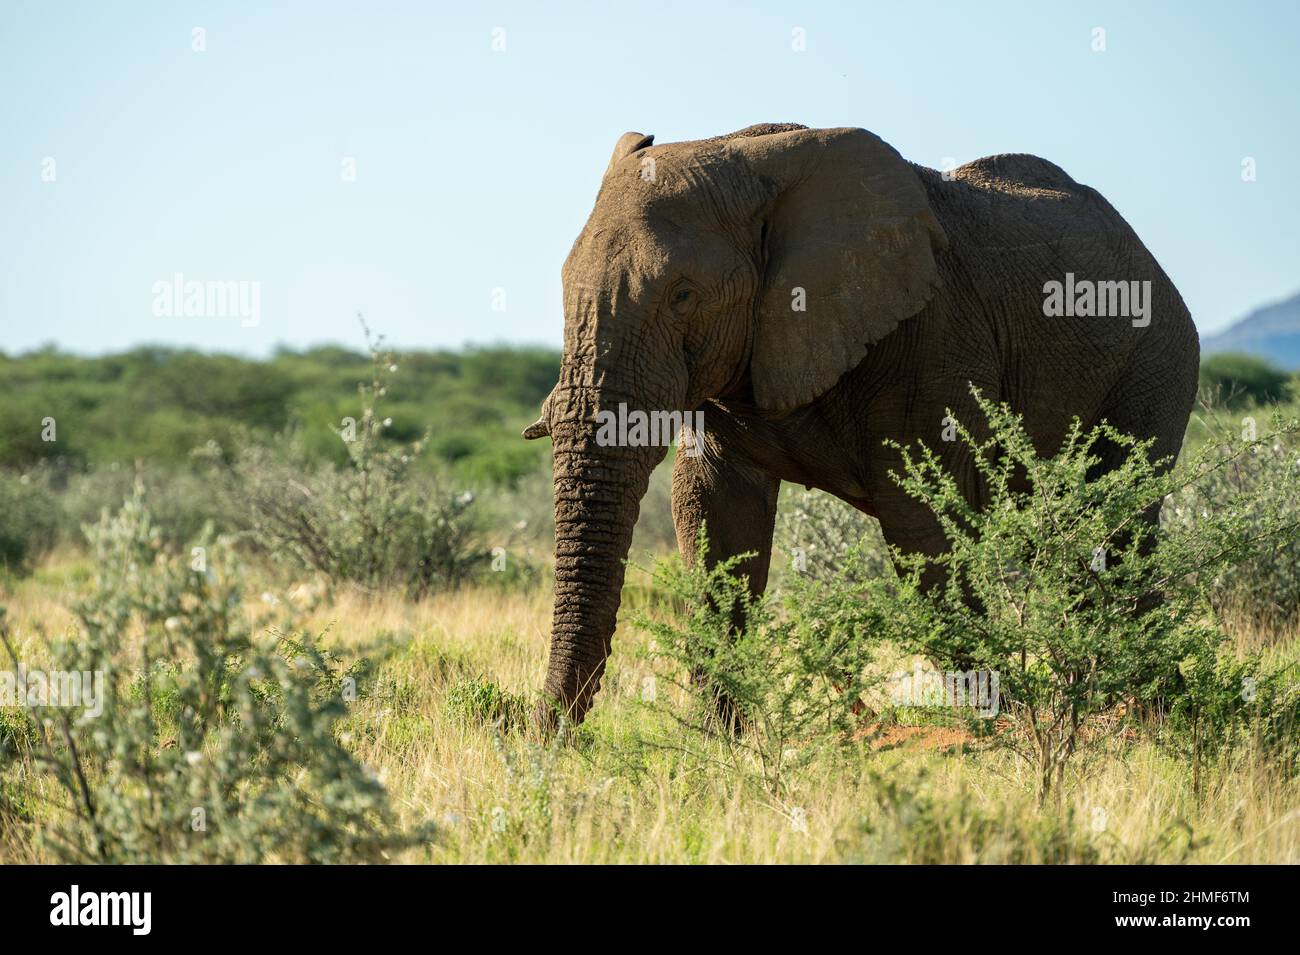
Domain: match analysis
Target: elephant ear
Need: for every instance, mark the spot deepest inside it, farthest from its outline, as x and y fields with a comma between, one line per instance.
x=849, y=248
x=627, y=144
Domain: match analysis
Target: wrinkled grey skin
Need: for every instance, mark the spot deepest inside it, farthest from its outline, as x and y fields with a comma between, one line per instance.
x=678, y=295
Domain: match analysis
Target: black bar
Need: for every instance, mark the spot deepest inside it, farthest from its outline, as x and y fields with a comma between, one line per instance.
x=333, y=905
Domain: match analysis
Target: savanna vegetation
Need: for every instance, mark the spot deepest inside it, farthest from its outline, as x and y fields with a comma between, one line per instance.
x=154, y=405
x=317, y=590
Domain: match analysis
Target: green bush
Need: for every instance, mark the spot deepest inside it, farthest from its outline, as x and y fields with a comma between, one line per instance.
x=772, y=683
x=1233, y=704
x=214, y=741
x=181, y=501
x=479, y=701
x=1253, y=491
x=817, y=532
x=916, y=824
x=1060, y=587
x=26, y=413
x=29, y=521
x=374, y=521
x=1237, y=379
x=374, y=524
x=1057, y=585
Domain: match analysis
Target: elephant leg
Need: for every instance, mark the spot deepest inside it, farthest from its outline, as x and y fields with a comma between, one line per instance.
x=737, y=505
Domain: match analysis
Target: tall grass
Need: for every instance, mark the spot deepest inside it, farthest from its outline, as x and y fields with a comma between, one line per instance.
x=436, y=723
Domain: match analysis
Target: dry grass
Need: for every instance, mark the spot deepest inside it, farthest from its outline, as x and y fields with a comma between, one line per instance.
x=628, y=790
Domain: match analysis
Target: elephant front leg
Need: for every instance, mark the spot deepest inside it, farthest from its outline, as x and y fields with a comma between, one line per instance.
x=737, y=505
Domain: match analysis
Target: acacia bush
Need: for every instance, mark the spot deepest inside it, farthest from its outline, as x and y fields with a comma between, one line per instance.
x=372, y=524
x=215, y=741
x=1082, y=608
x=770, y=679
x=374, y=521
x=1061, y=587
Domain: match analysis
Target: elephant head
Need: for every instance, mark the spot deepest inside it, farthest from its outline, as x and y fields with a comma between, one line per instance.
x=756, y=267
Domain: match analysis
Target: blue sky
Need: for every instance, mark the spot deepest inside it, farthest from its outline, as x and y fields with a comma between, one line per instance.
x=475, y=168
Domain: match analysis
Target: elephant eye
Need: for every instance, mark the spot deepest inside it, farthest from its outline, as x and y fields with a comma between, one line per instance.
x=683, y=300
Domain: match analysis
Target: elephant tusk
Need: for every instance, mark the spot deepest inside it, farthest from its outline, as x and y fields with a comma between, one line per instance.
x=538, y=429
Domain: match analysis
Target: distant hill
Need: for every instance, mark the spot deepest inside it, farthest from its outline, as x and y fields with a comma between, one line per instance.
x=1271, y=332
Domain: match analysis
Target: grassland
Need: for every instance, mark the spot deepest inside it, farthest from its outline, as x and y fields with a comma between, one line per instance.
x=440, y=721
x=630, y=788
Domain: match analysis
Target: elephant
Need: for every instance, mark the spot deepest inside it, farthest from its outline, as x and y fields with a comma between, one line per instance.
x=808, y=294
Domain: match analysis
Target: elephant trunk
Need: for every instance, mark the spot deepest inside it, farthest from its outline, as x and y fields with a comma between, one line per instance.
x=598, y=491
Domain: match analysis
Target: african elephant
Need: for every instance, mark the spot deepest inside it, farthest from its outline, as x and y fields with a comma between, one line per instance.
x=811, y=293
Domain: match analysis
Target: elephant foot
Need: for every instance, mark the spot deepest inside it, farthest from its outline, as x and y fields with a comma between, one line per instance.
x=546, y=719
x=550, y=718
x=725, y=716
